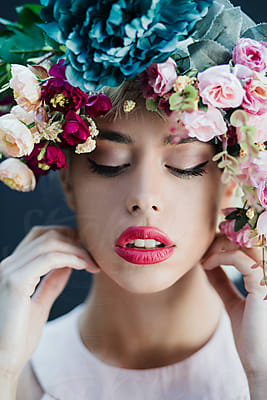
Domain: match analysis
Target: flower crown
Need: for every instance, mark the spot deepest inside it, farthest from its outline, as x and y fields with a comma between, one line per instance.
x=203, y=63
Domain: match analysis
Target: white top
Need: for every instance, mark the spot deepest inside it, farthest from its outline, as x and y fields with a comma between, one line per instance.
x=66, y=370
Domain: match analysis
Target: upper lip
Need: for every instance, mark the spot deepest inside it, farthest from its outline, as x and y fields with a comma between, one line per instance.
x=143, y=232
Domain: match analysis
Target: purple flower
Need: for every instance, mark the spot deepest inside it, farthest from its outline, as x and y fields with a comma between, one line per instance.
x=54, y=157
x=58, y=70
x=59, y=94
x=75, y=130
x=98, y=104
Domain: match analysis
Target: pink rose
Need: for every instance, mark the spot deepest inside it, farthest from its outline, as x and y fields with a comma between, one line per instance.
x=253, y=172
x=17, y=175
x=262, y=192
x=97, y=104
x=15, y=138
x=251, y=53
x=262, y=224
x=255, y=86
x=255, y=99
x=241, y=237
x=158, y=79
x=75, y=130
x=26, y=87
x=204, y=125
x=260, y=123
x=218, y=87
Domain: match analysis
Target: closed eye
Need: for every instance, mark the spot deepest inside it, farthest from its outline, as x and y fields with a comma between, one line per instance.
x=108, y=170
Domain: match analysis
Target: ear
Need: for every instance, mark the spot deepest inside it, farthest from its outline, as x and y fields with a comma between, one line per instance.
x=228, y=194
x=66, y=184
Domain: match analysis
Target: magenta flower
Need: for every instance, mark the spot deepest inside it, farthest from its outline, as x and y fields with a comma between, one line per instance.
x=97, y=104
x=54, y=157
x=75, y=130
x=59, y=95
x=158, y=79
x=58, y=70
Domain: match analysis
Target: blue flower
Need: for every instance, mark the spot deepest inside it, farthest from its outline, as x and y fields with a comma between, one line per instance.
x=110, y=41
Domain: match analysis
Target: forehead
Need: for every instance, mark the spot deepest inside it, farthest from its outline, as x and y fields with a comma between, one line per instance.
x=135, y=129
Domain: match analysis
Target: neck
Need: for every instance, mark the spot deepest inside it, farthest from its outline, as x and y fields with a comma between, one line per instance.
x=149, y=330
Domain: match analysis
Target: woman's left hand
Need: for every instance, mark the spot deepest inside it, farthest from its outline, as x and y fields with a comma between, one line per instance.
x=248, y=314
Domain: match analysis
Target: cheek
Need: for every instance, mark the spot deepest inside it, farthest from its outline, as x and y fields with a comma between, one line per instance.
x=197, y=214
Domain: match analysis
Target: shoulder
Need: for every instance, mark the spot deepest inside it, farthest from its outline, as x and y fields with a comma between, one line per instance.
x=28, y=386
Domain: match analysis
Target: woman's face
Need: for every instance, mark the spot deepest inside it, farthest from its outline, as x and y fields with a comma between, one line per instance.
x=145, y=193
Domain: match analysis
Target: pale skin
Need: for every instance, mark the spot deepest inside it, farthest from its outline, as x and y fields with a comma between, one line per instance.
x=128, y=302
x=134, y=309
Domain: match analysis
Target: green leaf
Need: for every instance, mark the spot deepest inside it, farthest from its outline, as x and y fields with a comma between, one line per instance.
x=207, y=53
x=13, y=26
x=151, y=105
x=29, y=14
x=218, y=155
x=247, y=23
x=240, y=223
x=232, y=215
x=175, y=101
x=182, y=60
x=258, y=32
x=22, y=45
x=190, y=92
x=205, y=23
x=226, y=28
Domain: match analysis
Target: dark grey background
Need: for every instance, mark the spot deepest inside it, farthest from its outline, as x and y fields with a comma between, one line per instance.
x=46, y=206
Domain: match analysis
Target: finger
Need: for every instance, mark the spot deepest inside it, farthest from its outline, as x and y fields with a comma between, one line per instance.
x=39, y=230
x=50, y=288
x=243, y=263
x=220, y=244
x=25, y=280
x=49, y=241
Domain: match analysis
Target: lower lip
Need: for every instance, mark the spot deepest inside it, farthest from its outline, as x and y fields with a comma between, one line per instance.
x=142, y=256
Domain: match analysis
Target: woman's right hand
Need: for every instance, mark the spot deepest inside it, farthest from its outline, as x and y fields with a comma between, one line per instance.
x=46, y=250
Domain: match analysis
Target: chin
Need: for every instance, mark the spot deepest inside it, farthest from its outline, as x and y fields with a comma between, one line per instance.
x=145, y=279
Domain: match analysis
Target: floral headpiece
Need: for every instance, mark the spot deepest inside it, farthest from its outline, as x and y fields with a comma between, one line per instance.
x=203, y=63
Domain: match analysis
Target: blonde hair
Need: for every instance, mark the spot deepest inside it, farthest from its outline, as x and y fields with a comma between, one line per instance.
x=128, y=90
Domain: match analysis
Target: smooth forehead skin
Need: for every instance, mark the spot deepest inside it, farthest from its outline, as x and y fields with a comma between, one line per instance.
x=146, y=193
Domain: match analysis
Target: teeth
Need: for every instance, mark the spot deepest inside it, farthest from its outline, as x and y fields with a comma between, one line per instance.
x=145, y=243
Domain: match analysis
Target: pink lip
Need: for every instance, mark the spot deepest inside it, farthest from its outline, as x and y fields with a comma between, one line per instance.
x=144, y=256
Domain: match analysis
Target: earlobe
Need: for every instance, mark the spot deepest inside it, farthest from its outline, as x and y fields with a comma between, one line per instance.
x=67, y=187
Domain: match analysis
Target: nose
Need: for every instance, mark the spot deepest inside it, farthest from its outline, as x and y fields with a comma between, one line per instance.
x=145, y=188
x=143, y=204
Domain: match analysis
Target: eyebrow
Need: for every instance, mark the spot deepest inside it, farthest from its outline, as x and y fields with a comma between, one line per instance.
x=123, y=138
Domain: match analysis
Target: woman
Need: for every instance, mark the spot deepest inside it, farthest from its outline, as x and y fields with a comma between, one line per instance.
x=157, y=321
x=140, y=315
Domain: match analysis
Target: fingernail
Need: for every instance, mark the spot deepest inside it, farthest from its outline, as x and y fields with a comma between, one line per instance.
x=254, y=266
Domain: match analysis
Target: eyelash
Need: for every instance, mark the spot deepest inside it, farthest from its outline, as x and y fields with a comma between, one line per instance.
x=110, y=171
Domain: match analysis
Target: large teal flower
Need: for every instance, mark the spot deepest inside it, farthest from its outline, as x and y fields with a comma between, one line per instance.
x=109, y=41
